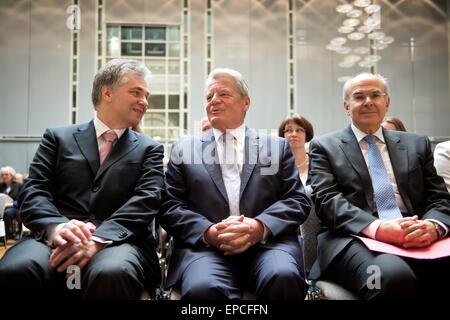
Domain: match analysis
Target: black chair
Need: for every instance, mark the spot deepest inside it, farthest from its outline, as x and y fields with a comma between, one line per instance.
x=321, y=289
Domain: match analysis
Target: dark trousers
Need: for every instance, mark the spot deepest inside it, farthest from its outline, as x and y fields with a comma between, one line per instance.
x=270, y=274
x=116, y=272
x=9, y=216
x=374, y=275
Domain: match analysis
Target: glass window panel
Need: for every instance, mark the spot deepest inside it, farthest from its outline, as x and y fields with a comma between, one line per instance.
x=100, y=21
x=208, y=22
x=158, y=84
x=186, y=22
x=173, y=33
x=174, y=84
x=157, y=102
x=155, y=33
x=186, y=49
x=155, y=49
x=154, y=119
x=131, y=49
x=157, y=134
x=174, y=49
x=174, y=67
x=174, y=119
x=174, y=101
x=156, y=66
x=113, y=47
x=131, y=33
x=112, y=31
x=174, y=134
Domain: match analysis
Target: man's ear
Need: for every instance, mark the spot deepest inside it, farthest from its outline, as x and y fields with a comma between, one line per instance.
x=347, y=108
x=247, y=103
x=388, y=103
x=106, y=93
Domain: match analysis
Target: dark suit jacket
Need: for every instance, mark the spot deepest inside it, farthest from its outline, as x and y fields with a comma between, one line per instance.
x=196, y=195
x=343, y=193
x=15, y=189
x=66, y=182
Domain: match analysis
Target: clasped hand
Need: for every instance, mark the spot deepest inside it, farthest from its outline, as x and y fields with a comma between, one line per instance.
x=235, y=234
x=407, y=232
x=74, y=245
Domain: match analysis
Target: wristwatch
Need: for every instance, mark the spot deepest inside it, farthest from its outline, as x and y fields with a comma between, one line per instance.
x=440, y=231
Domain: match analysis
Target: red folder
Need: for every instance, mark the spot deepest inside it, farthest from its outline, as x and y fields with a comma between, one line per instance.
x=438, y=249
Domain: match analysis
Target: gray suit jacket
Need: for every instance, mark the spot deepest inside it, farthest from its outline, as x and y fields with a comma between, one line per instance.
x=270, y=191
x=343, y=193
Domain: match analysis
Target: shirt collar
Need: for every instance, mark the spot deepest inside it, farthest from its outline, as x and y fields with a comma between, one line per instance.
x=101, y=128
x=360, y=135
x=238, y=133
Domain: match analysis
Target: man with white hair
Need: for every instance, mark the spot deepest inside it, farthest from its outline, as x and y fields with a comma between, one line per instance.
x=234, y=204
x=379, y=184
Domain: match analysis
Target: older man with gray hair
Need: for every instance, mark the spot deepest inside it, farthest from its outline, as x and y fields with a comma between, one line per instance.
x=234, y=219
x=92, y=191
x=379, y=184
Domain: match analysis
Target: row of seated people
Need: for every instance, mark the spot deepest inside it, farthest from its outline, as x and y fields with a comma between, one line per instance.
x=232, y=198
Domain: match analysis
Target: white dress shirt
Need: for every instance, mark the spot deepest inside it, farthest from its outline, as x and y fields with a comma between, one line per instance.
x=239, y=134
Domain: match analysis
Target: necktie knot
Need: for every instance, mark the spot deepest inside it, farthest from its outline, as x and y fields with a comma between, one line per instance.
x=110, y=136
x=229, y=149
x=370, y=139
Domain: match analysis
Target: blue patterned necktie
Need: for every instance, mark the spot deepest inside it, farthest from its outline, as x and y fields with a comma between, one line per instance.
x=382, y=187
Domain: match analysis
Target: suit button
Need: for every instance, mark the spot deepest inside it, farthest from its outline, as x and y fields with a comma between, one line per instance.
x=95, y=188
x=122, y=235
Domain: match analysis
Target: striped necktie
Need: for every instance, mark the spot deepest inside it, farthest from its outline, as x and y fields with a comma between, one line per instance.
x=384, y=193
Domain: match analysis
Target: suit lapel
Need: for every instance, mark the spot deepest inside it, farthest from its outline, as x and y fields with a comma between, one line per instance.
x=87, y=142
x=398, y=154
x=127, y=142
x=211, y=162
x=352, y=151
x=250, y=157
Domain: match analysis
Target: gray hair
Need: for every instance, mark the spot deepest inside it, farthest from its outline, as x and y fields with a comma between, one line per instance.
x=9, y=170
x=360, y=77
x=114, y=73
x=229, y=73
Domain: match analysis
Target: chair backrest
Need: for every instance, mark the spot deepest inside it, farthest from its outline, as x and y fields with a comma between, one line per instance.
x=309, y=230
